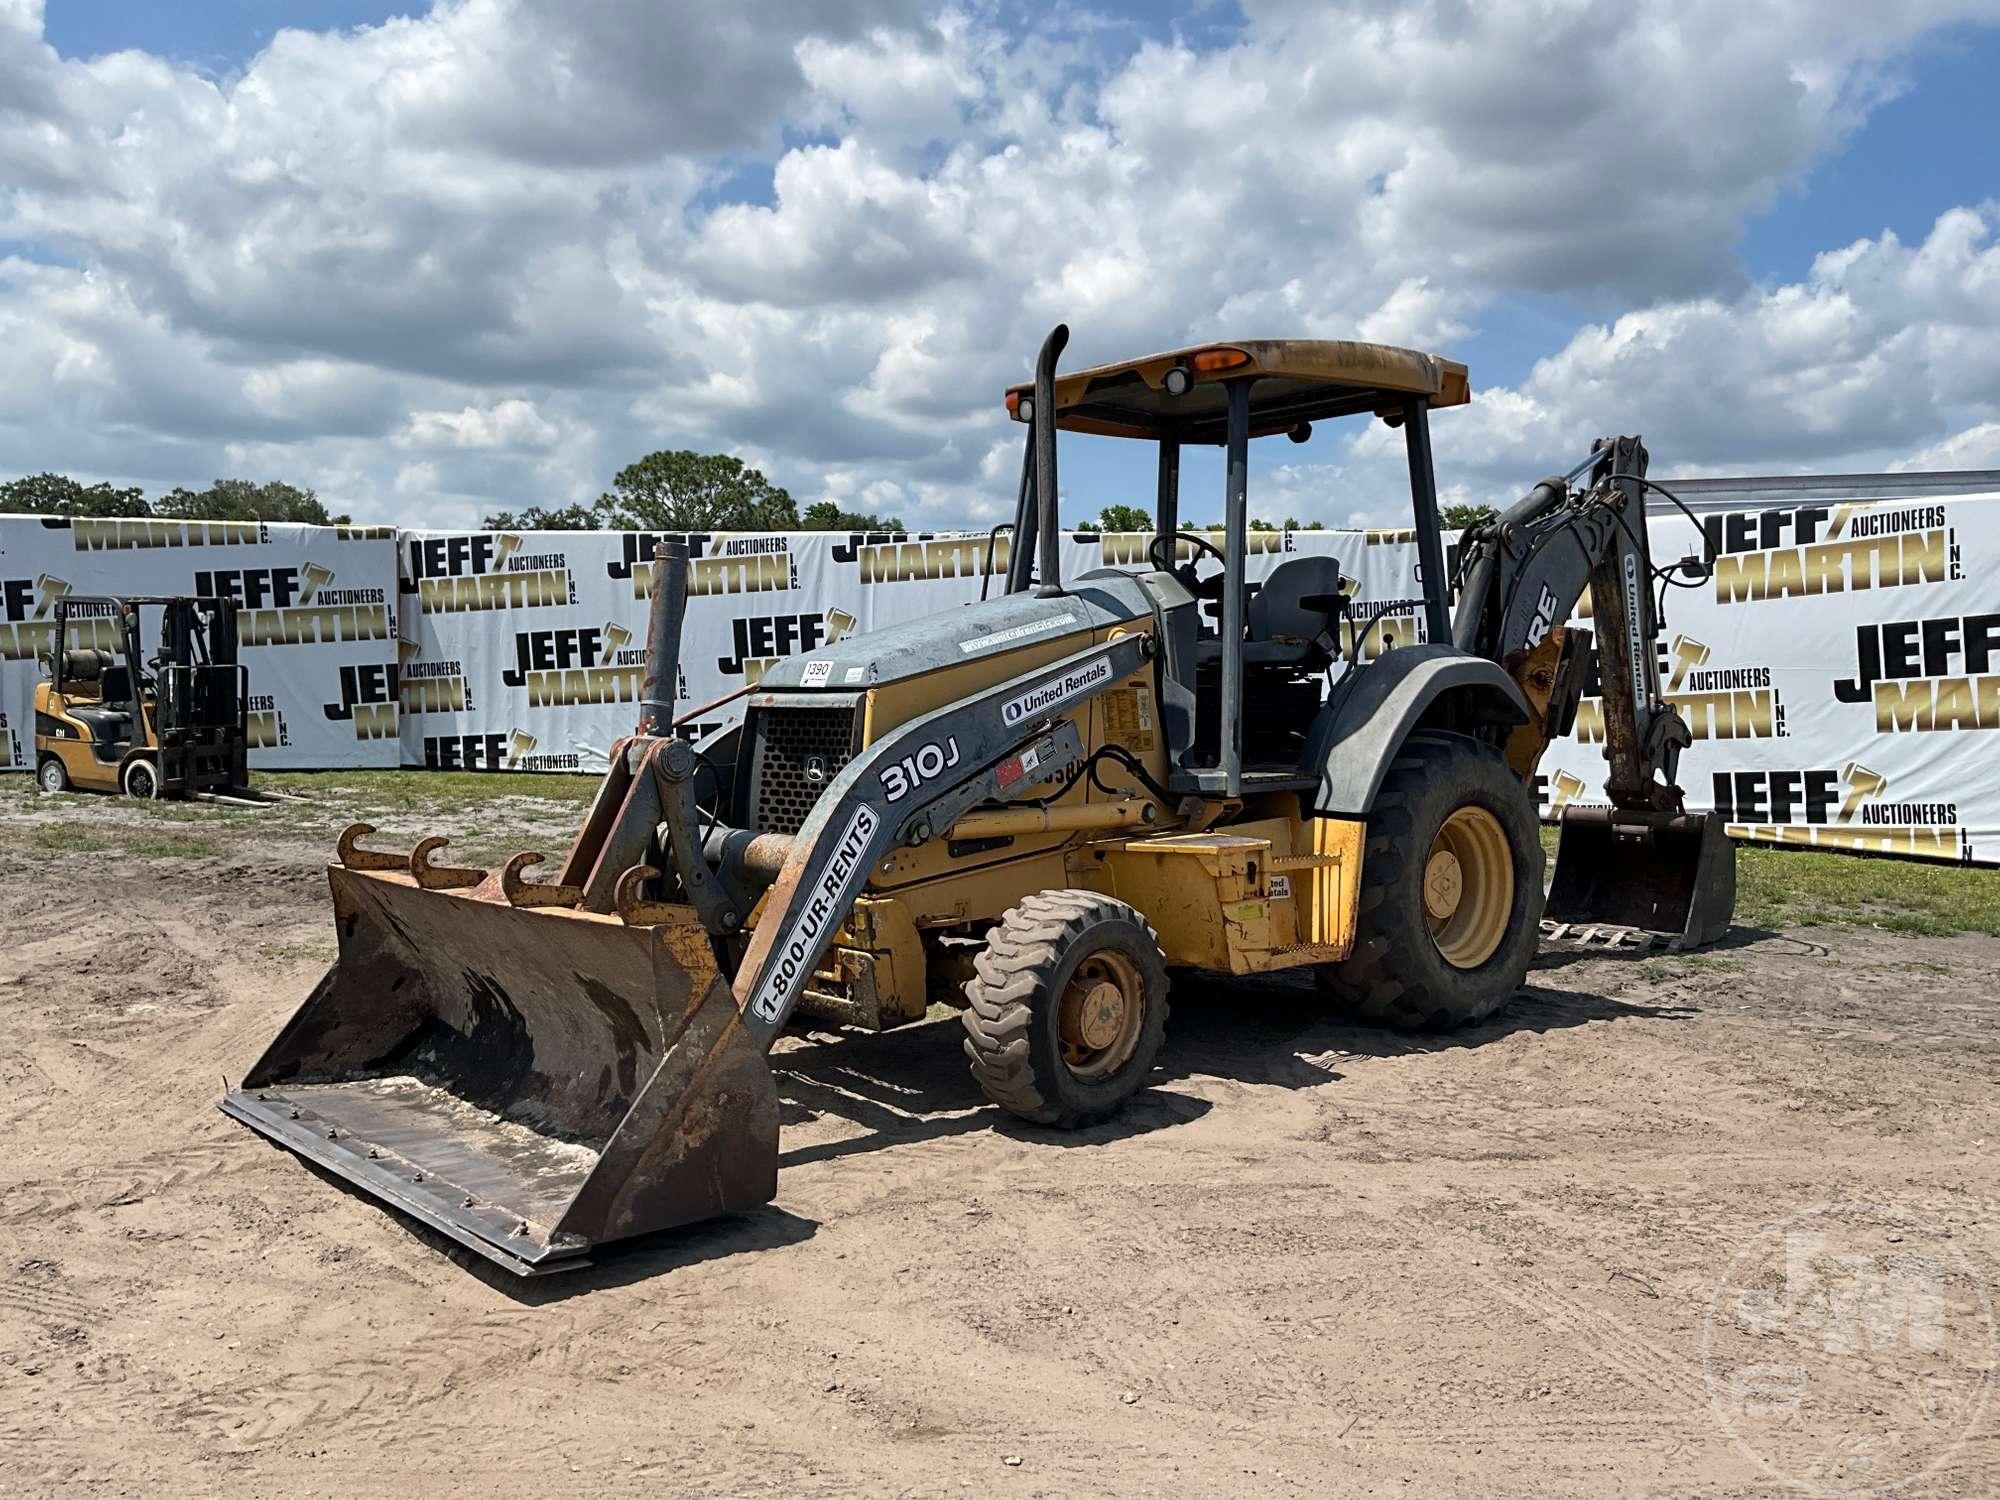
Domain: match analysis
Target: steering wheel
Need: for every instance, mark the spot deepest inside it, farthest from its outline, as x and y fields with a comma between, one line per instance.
x=1201, y=588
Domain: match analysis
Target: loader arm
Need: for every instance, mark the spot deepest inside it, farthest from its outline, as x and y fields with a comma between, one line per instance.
x=873, y=806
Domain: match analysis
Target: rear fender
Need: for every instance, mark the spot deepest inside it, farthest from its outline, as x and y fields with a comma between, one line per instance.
x=1363, y=727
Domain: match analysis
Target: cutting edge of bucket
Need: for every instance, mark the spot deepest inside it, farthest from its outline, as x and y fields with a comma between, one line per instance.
x=488, y=1231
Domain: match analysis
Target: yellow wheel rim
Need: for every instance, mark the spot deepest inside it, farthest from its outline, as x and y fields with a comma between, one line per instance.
x=1469, y=887
x=1102, y=1012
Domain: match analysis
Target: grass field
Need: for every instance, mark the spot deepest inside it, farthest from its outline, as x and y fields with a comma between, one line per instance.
x=1775, y=887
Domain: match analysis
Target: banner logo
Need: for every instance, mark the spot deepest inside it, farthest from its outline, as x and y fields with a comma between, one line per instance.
x=484, y=570
x=27, y=619
x=513, y=751
x=1829, y=549
x=369, y=698
x=1122, y=549
x=267, y=727
x=96, y=534
x=744, y=563
x=287, y=606
x=919, y=556
x=1718, y=703
x=579, y=664
x=761, y=641
x=1844, y=809
x=1928, y=675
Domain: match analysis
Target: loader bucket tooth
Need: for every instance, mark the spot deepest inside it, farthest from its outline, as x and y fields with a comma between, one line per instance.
x=521, y=891
x=354, y=857
x=530, y=1081
x=440, y=877
x=1667, y=878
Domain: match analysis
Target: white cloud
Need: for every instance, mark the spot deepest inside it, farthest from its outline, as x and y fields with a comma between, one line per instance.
x=486, y=255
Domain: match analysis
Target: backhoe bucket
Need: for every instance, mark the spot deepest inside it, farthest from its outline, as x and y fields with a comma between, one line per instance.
x=1670, y=877
x=531, y=1081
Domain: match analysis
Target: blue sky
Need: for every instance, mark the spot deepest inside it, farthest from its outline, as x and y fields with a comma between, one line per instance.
x=757, y=270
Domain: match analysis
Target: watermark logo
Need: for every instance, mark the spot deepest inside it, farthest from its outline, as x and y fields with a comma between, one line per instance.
x=1850, y=1349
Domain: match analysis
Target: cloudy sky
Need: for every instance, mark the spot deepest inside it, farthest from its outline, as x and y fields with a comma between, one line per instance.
x=483, y=254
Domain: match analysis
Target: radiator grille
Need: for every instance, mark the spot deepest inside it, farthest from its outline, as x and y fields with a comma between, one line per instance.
x=797, y=754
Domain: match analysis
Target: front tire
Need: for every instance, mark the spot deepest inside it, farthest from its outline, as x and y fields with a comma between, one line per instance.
x=140, y=778
x=50, y=775
x=1451, y=891
x=1067, y=1008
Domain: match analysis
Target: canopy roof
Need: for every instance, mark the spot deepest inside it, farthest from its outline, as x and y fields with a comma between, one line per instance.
x=1298, y=380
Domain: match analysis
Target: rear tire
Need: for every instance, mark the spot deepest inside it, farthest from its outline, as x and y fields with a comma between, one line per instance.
x=1067, y=1008
x=50, y=775
x=1451, y=891
x=140, y=778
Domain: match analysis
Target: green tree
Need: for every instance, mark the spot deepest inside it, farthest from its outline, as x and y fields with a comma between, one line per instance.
x=1125, y=518
x=241, y=500
x=1086, y=528
x=1460, y=516
x=824, y=515
x=678, y=490
x=1258, y=523
x=59, y=495
x=571, y=517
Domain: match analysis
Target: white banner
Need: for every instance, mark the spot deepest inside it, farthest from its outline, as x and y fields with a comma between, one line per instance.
x=317, y=625
x=1841, y=675
x=1837, y=672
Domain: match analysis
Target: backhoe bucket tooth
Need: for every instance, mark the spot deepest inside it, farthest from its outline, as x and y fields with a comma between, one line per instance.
x=1670, y=877
x=531, y=1081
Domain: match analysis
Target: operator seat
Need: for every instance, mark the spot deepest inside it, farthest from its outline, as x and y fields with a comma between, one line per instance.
x=109, y=723
x=1282, y=628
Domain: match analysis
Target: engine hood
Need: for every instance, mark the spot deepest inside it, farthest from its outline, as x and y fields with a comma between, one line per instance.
x=972, y=631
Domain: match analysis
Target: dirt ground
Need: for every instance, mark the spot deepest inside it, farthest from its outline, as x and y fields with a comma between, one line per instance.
x=1311, y=1259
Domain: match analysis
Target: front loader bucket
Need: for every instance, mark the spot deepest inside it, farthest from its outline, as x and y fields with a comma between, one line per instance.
x=529, y=1081
x=1670, y=877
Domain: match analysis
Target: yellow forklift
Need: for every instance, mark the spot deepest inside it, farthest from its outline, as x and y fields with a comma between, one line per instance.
x=175, y=723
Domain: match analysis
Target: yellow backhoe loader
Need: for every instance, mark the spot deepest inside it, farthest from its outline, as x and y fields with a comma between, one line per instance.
x=1037, y=805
